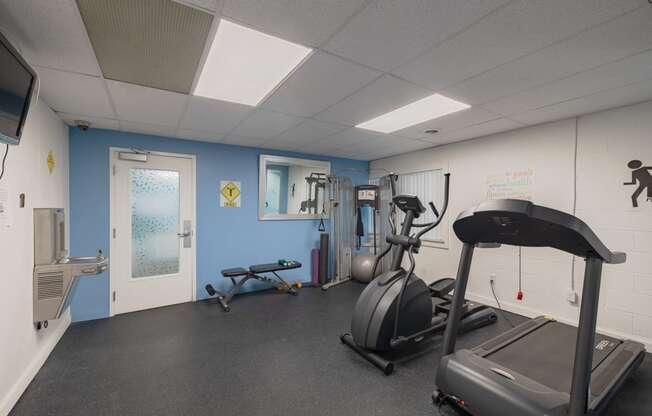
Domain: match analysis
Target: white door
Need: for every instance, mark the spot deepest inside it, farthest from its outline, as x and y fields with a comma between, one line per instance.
x=153, y=243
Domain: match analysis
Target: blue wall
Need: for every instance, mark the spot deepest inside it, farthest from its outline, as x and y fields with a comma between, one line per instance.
x=226, y=237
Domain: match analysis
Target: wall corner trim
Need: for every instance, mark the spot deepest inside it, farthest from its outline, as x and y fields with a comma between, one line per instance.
x=19, y=387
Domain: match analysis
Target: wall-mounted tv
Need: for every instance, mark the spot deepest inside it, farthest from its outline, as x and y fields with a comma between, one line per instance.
x=18, y=90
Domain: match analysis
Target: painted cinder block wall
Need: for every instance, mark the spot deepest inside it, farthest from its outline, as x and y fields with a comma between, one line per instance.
x=589, y=180
x=226, y=237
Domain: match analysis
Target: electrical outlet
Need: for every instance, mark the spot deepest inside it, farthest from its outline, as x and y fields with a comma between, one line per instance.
x=492, y=278
x=572, y=297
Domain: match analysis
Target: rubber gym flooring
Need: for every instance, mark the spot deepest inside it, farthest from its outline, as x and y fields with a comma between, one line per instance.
x=273, y=354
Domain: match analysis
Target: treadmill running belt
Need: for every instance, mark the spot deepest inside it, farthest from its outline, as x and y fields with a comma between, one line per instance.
x=546, y=355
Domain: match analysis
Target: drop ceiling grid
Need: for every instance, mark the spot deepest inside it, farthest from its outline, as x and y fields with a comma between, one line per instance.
x=607, y=76
x=619, y=30
x=179, y=127
x=532, y=52
x=495, y=36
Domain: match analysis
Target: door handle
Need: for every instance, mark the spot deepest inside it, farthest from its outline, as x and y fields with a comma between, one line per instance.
x=186, y=234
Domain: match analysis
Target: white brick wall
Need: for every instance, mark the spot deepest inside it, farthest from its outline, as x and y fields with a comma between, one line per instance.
x=625, y=134
x=606, y=142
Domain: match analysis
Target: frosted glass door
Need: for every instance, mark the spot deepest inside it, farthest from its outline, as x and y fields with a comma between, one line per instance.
x=152, y=219
x=154, y=222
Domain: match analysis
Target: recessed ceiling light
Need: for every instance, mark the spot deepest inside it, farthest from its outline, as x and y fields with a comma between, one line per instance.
x=429, y=108
x=244, y=65
x=431, y=131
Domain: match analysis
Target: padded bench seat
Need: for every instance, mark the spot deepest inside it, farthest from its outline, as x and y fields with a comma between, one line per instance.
x=235, y=272
x=272, y=267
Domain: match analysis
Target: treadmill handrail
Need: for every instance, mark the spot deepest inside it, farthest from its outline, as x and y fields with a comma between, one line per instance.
x=522, y=223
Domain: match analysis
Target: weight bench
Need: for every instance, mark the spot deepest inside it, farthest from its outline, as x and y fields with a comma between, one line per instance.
x=255, y=272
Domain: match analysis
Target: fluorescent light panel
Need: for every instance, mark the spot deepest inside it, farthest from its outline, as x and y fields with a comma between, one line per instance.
x=429, y=108
x=244, y=65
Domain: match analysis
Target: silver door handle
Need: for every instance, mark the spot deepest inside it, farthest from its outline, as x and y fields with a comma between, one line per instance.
x=186, y=234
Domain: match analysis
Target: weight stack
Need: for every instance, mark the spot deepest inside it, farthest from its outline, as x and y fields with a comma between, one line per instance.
x=323, y=258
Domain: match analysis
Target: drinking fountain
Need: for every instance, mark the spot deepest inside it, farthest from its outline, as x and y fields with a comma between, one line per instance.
x=54, y=271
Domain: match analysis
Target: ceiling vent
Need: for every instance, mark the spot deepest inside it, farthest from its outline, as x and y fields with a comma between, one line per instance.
x=154, y=43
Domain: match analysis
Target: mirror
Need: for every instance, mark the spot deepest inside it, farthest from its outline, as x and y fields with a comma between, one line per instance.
x=291, y=188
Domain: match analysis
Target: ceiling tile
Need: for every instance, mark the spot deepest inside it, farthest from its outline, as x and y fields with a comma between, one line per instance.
x=465, y=118
x=376, y=154
x=147, y=128
x=479, y=130
x=371, y=145
x=521, y=27
x=309, y=131
x=263, y=124
x=603, y=100
x=153, y=43
x=309, y=22
x=213, y=115
x=318, y=148
x=319, y=83
x=617, y=74
x=387, y=33
x=146, y=105
x=211, y=6
x=50, y=34
x=200, y=135
x=96, y=122
x=74, y=93
x=353, y=136
x=288, y=147
x=617, y=39
x=243, y=141
x=385, y=94
x=397, y=149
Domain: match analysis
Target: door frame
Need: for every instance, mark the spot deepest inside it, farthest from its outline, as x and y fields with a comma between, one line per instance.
x=113, y=220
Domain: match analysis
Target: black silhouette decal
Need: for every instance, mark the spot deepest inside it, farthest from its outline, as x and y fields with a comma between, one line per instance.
x=642, y=175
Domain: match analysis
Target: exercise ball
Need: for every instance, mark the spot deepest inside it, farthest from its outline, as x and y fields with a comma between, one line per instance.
x=362, y=267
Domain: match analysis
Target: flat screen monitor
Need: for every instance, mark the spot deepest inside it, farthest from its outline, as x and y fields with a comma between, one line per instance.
x=18, y=89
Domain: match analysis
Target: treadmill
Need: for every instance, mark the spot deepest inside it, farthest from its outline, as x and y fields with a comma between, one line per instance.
x=541, y=367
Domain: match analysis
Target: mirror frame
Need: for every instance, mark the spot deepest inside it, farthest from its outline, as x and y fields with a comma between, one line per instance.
x=262, y=185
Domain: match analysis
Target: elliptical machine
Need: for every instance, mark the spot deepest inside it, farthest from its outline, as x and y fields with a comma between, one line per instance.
x=378, y=325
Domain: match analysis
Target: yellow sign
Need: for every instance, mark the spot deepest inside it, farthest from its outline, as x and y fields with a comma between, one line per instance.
x=230, y=194
x=51, y=162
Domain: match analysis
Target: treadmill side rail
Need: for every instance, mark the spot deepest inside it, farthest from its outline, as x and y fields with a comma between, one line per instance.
x=485, y=392
x=610, y=375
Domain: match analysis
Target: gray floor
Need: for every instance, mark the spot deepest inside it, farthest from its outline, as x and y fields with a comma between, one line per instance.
x=272, y=355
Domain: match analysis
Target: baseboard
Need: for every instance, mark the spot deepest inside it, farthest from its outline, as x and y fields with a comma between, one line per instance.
x=531, y=313
x=19, y=387
x=507, y=306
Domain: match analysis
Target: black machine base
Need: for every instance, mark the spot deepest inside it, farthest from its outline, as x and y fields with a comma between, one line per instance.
x=476, y=316
x=386, y=366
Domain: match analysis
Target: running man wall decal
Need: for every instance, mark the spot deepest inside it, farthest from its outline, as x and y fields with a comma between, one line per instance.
x=641, y=175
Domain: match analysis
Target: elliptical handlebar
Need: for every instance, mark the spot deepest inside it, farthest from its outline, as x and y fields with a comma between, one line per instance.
x=391, y=217
x=413, y=242
x=392, y=182
x=392, y=177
